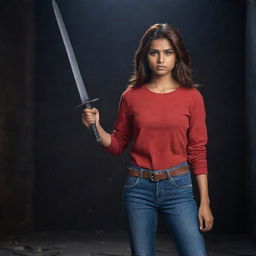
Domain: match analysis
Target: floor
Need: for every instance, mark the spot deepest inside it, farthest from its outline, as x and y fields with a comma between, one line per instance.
x=112, y=244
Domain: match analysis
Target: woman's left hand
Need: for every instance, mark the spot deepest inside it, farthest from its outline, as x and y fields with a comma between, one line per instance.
x=205, y=218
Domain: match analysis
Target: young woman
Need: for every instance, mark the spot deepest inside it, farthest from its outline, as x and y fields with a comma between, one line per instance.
x=162, y=114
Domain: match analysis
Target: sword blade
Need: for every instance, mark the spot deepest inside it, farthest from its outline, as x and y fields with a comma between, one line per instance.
x=71, y=56
x=74, y=66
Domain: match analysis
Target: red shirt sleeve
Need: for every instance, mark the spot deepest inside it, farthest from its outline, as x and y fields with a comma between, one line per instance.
x=197, y=137
x=121, y=135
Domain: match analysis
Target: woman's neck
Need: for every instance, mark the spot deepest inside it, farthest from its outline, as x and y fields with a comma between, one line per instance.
x=163, y=83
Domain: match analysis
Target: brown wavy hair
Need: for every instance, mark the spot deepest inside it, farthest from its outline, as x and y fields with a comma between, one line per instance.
x=182, y=72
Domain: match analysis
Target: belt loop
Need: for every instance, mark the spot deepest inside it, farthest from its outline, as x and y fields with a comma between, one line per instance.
x=141, y=173
x=168, y=174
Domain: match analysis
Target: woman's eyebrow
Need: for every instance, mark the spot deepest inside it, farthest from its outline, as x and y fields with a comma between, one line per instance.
x=152, y=49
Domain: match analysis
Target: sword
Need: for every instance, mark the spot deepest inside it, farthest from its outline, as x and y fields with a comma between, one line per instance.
x=74, y=66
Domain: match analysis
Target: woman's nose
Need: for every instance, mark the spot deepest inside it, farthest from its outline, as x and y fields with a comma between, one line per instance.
x=160, y=58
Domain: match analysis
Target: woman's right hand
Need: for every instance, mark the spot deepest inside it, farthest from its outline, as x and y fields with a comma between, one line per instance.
x=90, y=116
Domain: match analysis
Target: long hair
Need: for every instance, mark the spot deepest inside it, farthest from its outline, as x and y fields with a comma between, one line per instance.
x=142, y=72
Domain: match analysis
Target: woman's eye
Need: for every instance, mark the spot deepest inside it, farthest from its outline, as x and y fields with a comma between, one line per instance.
x=169, y=52
x=153, y=53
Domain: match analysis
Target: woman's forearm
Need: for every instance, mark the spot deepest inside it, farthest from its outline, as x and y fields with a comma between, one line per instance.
x=202, y=182
x=105, y=137
x=205, y=216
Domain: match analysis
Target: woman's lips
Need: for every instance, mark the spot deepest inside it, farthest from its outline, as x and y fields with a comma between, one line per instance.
x=160, y=67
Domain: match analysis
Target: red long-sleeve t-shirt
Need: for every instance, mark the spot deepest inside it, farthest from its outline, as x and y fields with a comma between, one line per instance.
x=165, y=129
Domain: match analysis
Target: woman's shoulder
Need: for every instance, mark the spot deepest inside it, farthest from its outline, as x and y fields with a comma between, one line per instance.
x=193, y=92
x=132, y=92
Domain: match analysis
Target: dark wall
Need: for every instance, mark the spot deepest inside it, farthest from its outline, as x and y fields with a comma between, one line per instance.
x=251, y=115
x=77, y=184
x=16, y=118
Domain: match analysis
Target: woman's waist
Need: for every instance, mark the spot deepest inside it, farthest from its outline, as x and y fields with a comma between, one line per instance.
x=132, y=165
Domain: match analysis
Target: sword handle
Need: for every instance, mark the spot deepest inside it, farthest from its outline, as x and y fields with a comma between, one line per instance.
x=93, y=126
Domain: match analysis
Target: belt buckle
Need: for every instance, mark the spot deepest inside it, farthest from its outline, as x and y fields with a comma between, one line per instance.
x=152, y=177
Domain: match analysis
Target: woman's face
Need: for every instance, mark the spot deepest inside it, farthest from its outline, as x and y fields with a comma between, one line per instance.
x=161, y=57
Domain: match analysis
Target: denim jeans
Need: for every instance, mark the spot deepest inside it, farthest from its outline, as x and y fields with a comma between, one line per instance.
x=173, y=198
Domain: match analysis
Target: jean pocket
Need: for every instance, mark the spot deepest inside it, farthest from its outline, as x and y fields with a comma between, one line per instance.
x=182, y=181
x=131, y=181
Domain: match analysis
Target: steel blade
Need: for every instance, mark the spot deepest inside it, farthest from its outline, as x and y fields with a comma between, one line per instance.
x=71, y=56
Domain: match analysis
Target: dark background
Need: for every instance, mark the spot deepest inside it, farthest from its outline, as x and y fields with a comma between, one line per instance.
x=77, y=184
x=53, y=174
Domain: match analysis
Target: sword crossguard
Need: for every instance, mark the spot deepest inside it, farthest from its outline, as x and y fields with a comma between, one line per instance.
x=87, y=102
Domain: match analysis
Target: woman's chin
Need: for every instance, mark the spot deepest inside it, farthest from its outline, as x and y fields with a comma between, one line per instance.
x=161, y=72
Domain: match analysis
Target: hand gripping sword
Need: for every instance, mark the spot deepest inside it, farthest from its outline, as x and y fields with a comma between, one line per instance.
x=74, y=66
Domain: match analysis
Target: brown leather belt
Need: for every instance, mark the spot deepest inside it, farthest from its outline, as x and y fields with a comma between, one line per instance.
x=156, y=176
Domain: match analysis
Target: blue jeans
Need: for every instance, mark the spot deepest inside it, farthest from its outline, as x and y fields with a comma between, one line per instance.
x=174, y=199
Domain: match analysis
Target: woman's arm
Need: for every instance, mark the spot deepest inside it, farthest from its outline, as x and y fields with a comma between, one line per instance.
x=91, y=116
x=205, y=216
x=197, y=158
x=116, y=142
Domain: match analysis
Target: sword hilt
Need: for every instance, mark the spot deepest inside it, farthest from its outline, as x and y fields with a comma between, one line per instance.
x=93, y=126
